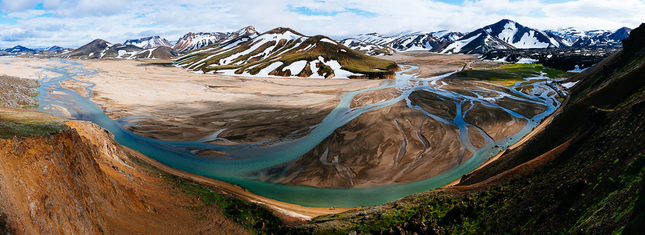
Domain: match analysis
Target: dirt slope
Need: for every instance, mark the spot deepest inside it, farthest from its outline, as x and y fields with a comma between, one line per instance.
x=79, y=181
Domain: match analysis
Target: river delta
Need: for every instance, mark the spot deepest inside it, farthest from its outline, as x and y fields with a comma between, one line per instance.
x=311, y=142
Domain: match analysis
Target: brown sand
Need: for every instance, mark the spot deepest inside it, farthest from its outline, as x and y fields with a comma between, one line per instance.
x=431, y=64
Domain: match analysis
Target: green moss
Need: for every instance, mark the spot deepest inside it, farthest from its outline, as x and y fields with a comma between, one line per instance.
x=28, y=123
x=11, y=129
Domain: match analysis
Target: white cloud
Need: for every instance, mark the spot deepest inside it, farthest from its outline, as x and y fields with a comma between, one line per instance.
x=26, y=14
x=598, y=13
x=518, y=6
x=17, y=5
x=76, y=22
x=76, y=8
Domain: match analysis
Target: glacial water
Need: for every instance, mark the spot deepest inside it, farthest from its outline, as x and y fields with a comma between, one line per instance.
x=242, y=159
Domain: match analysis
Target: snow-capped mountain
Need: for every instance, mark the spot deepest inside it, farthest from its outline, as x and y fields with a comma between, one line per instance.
x=101, y=49
x=148, y=42
x=284, y=52
x=579, y=38
x=192, y=41
x=505, y=34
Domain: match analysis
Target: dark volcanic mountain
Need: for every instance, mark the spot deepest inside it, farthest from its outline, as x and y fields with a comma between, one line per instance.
x=505, y=34
x=93, y=50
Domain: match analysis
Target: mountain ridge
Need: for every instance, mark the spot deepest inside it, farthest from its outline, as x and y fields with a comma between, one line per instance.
x=285, y=52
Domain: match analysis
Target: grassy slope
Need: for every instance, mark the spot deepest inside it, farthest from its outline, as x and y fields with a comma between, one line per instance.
x=593, y=186
x=508, y=74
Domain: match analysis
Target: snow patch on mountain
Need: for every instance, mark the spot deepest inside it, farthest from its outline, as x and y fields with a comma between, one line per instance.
x=457, y=46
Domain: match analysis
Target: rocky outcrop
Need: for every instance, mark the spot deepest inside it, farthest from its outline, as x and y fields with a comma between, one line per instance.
x=17, y=92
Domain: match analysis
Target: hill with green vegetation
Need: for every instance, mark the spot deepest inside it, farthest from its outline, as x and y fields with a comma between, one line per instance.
x=284, y=52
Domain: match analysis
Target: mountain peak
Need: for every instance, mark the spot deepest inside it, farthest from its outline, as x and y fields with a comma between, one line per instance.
x=282, y=30
x=246, y=30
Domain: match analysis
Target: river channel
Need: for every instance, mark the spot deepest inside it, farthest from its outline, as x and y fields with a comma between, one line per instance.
x=240, y=160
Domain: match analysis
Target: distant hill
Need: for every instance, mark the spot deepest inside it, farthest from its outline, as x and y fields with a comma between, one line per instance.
x=20, y=50
x=192, y=41
x=285, y=52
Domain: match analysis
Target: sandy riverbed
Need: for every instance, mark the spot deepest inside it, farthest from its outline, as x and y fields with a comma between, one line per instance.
x=189, y=106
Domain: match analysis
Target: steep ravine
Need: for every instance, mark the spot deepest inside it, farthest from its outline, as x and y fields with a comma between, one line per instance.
x=80, y=181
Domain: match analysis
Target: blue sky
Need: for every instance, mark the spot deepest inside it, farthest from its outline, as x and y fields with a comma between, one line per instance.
x=70, y=23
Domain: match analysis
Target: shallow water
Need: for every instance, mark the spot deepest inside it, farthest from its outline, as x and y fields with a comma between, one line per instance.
x=240, y=160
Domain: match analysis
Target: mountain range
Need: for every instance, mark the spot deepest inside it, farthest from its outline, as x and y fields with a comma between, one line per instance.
x=100, y=49
x=505, y=34
x=578, y=38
